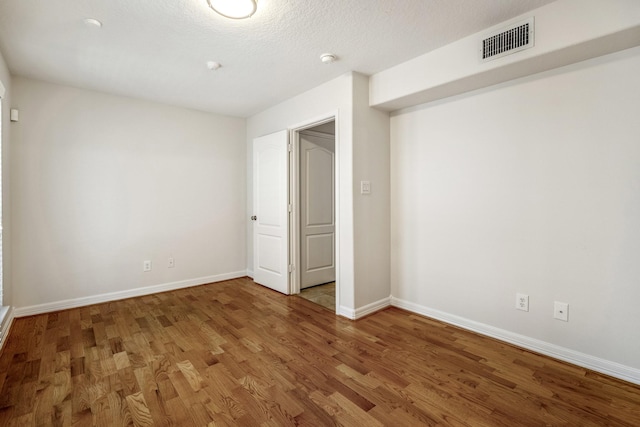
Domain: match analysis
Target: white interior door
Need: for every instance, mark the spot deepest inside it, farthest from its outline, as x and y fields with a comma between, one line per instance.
x=317, y=212
x=271, y=213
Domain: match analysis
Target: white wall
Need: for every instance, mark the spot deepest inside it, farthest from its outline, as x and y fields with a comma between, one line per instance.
x=371, y=212
x=101, y=183
x=534, y=187
x=334, y=97
x=362, y=149
x=5, y=77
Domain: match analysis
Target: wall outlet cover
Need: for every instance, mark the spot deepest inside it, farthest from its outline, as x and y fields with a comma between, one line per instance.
x=522, y=302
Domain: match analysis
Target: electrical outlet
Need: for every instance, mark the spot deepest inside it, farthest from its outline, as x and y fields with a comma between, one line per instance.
x=522, y=302
x=171, y=263
x=365, y=187
x=561, y=311
x=146, y=266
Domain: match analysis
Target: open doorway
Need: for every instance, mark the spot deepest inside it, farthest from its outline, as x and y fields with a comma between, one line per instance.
x=315, y=226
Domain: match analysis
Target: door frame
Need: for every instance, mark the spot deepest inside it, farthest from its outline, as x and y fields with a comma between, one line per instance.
x=294, y=197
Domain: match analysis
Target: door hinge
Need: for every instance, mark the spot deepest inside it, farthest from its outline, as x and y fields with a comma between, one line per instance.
x=290, y=147
x=291, y=268
x=290, y=208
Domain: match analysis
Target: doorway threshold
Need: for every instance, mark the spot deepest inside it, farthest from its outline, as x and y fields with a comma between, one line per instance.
x=323, y=295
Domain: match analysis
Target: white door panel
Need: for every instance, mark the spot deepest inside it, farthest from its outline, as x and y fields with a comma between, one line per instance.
x=319, y=250
x=269, y=248
x=317, y=217
x=270, y=205
x=319, y=171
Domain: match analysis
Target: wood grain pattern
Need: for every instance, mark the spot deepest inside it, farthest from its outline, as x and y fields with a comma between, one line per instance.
x=235, y=353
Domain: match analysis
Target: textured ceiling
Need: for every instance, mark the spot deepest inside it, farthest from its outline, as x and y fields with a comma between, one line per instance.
x=158, y=49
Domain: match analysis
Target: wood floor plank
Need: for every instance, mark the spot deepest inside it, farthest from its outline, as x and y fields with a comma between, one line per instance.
x=235, y=353
x=139, y=410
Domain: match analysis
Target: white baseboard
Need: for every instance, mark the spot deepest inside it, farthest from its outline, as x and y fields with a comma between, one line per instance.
x=130, y=293
x=250, y=273
x=6, y=319
x=597, y=364
x=349, y=313
x=365, y=310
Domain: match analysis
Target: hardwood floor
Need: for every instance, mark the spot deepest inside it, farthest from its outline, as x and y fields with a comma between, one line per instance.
x=235, y=353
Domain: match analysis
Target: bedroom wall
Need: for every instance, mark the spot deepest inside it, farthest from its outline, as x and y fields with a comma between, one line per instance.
x=362, y=144
x=5, y=78
x=531, y=186
x=371, y=211
x=101, y=183
x=332, y=98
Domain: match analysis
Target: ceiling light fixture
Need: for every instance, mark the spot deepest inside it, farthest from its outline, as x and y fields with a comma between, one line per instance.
x=234, y=9
x=92, y=22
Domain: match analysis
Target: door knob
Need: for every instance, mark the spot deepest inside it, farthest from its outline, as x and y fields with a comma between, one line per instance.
x=254, y=218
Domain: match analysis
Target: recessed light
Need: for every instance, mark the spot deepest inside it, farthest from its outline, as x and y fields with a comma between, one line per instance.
x=213, y=65
x=92, y=22
x=328, y=58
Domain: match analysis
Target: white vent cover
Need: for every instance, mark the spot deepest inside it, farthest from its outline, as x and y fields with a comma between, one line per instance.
x=514, y=38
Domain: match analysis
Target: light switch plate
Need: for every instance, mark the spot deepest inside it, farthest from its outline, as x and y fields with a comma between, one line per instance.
x=365, y=187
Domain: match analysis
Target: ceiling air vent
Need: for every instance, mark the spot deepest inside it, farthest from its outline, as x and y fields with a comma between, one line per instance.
x=514, y=38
